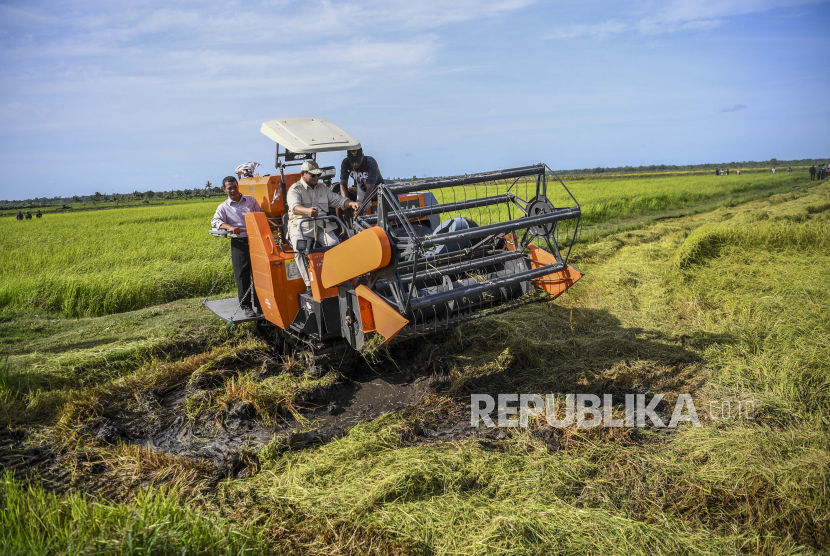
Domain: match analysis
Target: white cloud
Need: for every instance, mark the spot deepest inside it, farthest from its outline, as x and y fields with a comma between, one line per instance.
x=433, y=13
x=371, y=55
x=659, y=17
x=682, y=11
x=599, y=30
x=195, y=51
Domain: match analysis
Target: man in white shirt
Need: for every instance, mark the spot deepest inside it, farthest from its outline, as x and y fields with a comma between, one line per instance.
x=310, y=198
x=230, y=215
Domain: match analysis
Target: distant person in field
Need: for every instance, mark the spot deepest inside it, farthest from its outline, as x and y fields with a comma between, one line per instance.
x=230, y=215
x=39, y=214
x=28, y=215
x=812, y=172
x=310, y=198
x=738, y=172
x=773, y=169
x=20, y=215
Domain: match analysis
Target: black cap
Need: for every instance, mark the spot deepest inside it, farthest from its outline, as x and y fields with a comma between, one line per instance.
x=355, y=156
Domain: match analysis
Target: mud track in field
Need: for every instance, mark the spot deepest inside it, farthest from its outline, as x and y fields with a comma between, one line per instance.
x=230, y=435
x=224, y=441
x=329, y=411
x=214, y=440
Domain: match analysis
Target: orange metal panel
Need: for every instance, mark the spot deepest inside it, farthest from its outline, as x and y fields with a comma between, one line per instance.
x=510, y=241
x=277, y=281
x=315, y=272
x=291, y=179
x=362, y=253
x=554, y=283
x=378, y=316
x=268, y=192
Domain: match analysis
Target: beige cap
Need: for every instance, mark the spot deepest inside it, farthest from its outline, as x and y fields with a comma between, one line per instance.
x=311, y=167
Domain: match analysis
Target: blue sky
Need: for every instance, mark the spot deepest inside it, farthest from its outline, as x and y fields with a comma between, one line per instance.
x=114, y=97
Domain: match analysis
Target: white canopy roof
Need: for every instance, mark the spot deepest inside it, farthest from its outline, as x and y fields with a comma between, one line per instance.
x=309, y=135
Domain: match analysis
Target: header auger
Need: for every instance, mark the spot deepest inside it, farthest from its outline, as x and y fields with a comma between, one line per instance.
x=421, y=255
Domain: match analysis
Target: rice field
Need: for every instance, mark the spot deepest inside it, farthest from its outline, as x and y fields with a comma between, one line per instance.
x=608, y=199
x=729, y=304
x=105, y=262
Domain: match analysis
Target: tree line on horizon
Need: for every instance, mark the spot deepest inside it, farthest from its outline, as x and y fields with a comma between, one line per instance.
x=209, y=190
x=692, y=167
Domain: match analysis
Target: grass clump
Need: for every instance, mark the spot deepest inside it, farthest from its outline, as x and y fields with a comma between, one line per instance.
x=709, y=240
x=34, y=522
x=464, y=499
x=273, y=397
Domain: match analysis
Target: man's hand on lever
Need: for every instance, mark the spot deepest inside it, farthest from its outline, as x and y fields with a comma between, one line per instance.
x=236, y=230
x=312, y=212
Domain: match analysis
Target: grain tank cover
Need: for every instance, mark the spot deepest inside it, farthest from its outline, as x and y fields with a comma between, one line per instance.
x=309, y=135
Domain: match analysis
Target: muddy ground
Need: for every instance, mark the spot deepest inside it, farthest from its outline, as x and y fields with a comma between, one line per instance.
x=227, y=438
x=412, y=379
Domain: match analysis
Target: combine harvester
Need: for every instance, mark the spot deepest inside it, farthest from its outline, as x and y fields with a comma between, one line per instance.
x=421, y=256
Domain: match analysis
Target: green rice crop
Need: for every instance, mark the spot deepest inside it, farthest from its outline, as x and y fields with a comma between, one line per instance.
x=97, y=263
x=604, y=200
x=34, y=522
x=104, y=262
x=709, y=240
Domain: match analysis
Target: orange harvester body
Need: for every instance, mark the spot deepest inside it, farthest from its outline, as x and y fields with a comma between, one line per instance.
x=411, y=263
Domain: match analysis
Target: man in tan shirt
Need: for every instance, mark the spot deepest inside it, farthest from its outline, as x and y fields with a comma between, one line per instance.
x=309, y=198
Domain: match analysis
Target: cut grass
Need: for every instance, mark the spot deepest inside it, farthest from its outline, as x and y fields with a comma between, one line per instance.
x=49, y=361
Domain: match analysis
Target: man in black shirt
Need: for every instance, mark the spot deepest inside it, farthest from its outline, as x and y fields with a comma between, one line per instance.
x=365, y=175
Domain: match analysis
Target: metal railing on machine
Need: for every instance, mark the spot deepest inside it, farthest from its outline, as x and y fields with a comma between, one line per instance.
x=473, y=261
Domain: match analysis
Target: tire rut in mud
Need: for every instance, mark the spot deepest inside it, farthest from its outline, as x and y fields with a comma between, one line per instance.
x=354, y=393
